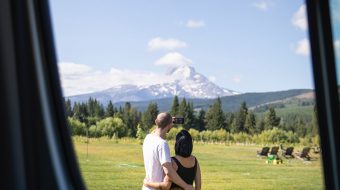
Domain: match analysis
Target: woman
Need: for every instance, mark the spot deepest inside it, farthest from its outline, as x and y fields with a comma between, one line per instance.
x=184, y=163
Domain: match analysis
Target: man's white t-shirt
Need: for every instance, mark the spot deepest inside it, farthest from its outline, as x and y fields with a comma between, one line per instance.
x=155, y=152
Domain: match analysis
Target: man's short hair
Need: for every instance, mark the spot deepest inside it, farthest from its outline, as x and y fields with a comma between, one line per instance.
x=163, y=120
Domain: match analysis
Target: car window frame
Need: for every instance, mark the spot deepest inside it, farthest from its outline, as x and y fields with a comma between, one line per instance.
x=26, y=36
x=326, y=90
x=36, y=140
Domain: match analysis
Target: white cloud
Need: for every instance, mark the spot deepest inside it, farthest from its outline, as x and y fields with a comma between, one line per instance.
x=173, y=59
x=212, y=78
x=195, y=23
x=303, y=47
x=166, y=44
x=337, y=48
x=73, y=69
x=80, y=79
x=299, y=19
x=263, y=5
x=236, y=79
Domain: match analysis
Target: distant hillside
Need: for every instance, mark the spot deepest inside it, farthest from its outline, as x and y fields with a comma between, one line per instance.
x=230, y=103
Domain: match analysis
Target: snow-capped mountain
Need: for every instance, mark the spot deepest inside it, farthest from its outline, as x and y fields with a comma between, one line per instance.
x=184, y=81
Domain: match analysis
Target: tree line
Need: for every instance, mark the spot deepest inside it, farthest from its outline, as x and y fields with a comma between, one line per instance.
x=93, y=119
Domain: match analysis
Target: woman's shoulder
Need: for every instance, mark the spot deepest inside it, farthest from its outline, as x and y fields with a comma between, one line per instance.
x=173, y=162
x=193, y=158
x=186, y=162
x=190, y=158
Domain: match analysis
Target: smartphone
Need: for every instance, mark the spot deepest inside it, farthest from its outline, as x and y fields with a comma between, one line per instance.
x=178, y=120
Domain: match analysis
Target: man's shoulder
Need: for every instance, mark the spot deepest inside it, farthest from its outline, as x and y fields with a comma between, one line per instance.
x=155, y=140
x=154, y=137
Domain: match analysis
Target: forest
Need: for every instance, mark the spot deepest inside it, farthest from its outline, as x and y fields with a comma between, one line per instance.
x=260, y=125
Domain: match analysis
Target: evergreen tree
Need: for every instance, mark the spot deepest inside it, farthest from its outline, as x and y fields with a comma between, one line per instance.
x=315, y=126
x=68, y=108
x=174, y=107
x=80, y=112
x=300, y=127
x=230, y=122
x=135, y=120
x=289, y=124
x=271, y=120
x=94, y=112
x=99, y=111
x=200, y=124
x=76, y=110
x=241, y=118
x=109, y=110
x=140, y=116
x=189, y=117
x=95, y=109
x=120, y=111
x=149, y=116
x=214, y=117
x=182, y=108
x=91, y=103
x=233, y=126
x=186, y=111
x=259, y=126
x=250, y=123
x=127, y=119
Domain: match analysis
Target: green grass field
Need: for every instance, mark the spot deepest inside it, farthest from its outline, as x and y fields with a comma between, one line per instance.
x=112, y=164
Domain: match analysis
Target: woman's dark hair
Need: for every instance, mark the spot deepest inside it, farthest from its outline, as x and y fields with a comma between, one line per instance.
x=183, y=145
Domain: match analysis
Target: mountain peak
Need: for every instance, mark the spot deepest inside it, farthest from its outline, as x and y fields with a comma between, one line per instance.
x=183, y=71
x=183, y=81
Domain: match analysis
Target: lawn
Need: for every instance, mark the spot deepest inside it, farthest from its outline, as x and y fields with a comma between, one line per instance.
x=112, y=164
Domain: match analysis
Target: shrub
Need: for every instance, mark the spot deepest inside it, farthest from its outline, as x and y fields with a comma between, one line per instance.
x=140, y=133
x=94, y=132
x=172, y=133
x=77, y=127
x=256, y=139
x=195, y=134
x=152, y=129
x=305, y=141
x=110, y=126
x=276, y=136
x=292, y=137
x=214, y=136
x=221, y=135
x=206, y=135
x=242, y=138
x=316, y=141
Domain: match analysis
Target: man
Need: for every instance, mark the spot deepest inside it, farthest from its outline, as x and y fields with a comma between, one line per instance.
x=156, y=153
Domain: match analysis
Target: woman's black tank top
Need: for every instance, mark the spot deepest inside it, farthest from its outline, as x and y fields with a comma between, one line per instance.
x=187, y=174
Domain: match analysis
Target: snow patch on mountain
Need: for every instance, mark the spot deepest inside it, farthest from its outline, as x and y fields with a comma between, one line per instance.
x=184, y=81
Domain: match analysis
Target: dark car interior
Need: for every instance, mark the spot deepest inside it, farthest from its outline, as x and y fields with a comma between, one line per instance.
x=36, y=146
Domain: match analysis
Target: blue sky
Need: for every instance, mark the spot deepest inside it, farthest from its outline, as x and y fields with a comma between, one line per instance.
x=335, y=14
x=246, y=46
